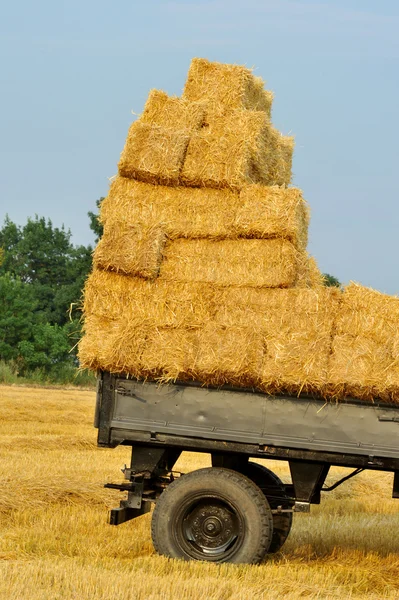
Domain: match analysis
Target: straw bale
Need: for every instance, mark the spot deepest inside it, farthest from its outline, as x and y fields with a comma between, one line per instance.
x=153, y=154
x=232, y=86
x=280, y=150
x=258, y=212
x=182, y=212
x=310, y=275
x=272, y=309
x=230, y=152
x=297, y=356
x=228, y=356
x=257, y=263
x=237, y=148
x=172, y=112
x=99, y=346
x=130, y=249
x=359, y=367
x=366, y=312
x=273, y=212
x=137, y=302
x=108, y=295
x=169, y=354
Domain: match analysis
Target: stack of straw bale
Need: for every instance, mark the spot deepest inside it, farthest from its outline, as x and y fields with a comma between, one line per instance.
x=202, y=272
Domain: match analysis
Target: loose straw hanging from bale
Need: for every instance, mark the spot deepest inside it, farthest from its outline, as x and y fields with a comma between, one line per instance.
x=153, y=154
x=227, y=86
x=130, y=249
x=257, y=263
x=258, y=212
x=172, y=112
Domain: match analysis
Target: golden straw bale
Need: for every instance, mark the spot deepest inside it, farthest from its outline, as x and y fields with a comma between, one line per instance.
x=127, y=345
x=235, y=149
x=95, y=349
x=309, y=274
x=148, y=303
x=297, y=357
x=279, y=151
x=182, y=212
x=359, y=367
x=273, y=212
x=108, y=294
x=257, y=263
x=366, y=312
x=232, y=356
x=169, y=354
x=153, y=154
x=233, y=86
x=130, y=249
x=258, y=212
x=272, y=309
x=316, y=277
x=231, y=152
x=172, y=112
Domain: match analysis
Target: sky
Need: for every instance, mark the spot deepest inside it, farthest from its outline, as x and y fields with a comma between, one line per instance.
x=74, y=75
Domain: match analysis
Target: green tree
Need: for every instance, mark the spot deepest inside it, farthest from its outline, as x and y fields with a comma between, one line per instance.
x=44, y=257
x=331, y=281
x=95, y=225
x=17, y=305
x=41, y=277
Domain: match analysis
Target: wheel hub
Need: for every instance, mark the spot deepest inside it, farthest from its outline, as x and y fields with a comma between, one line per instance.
x=211, y=528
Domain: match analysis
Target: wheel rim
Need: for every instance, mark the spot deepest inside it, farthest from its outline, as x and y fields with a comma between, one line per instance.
x=209, y=528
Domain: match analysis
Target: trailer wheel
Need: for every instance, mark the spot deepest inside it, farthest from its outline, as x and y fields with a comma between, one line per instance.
x=273, y=488
x=215, y=515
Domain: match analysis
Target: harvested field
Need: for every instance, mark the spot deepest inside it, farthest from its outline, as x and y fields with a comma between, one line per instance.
x=56, y=543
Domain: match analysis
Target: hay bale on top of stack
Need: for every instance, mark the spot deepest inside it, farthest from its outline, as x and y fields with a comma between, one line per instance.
x=202, y=271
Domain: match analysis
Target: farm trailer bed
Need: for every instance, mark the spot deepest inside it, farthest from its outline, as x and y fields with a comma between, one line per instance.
x=237, y=510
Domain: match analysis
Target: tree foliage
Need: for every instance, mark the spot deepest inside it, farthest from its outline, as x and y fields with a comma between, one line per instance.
x=95, y=224
x=41, y=276
x=331, y=281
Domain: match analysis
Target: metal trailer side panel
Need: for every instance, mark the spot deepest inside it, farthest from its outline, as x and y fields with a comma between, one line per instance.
x=253, y=418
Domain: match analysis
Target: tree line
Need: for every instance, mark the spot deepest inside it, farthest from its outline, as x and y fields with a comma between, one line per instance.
x=42, y=274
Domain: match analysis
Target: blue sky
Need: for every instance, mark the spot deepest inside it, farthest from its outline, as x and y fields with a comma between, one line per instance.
x=73, y=73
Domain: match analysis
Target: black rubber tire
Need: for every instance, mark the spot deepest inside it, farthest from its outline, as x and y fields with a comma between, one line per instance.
x=227, y=502
x=273, y=488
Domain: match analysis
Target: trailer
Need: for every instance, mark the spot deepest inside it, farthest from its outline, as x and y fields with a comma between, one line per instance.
x=237, y=510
